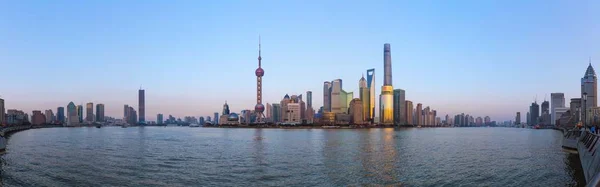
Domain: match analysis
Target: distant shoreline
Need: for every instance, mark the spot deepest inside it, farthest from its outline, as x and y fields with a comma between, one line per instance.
x=316, y=127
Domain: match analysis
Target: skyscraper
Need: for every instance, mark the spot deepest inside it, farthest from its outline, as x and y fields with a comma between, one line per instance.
x=365, y=98
x=337, y=102
x=518, y=118
x=89, y=112
x=399, y=108
x=529, y=117
x=276, y=113
x=225, y=109
x=557, y=100
x=534, y=112
x=259, y=108
x=2, y=113
x=575, y=107
x=159, y=119
x=72, y=114
x=60, y=115
x=216, y=117
x=309, y=99
x=80, y=113
x=419, y=113
x=327, y=96
x=371, y=86
x=100, y=112
x=386, y=99
x=49, y=115
x=589, y=87
x=142, y=105
x=356, y=112
x=408, y=112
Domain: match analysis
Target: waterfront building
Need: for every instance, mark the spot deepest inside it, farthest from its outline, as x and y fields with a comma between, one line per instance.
x=327, y=96
x=225, y=108
x=371, y=86
x=302, y=108
x=328, y=118
x=80, y=113
x=15, y=117
x=364, y=96
x=37, y=118
x=259, y=108
x=518, y=118
x=201, y=120
x=408, y=112
x=534, y=112
x=559, y=112
x=132, y=116
x=310, y=114
x=276, y=113
x=142, y=105
x=419, y=114
x=216, y=118
x=426, y=118
x=386, y=99
x=292, y=114
x=356, y=111
x=487, y=120
x=60, y=115
x=528, y=118
x=159, y=119
x=72, y=114
x=89, y=112
x=589, y=87
x=338, y=97
x=269, y=112
x=556, y=100
x=100, y=113
x=49, y=116
x=399, y=108
x=2, y=114
x=209, y=119
x=575, y=107
x=309, y=99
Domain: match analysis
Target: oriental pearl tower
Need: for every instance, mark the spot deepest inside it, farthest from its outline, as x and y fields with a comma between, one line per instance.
x=259, y=108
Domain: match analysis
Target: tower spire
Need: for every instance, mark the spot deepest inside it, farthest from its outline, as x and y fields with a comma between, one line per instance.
x=590, y=60
x=259, y=58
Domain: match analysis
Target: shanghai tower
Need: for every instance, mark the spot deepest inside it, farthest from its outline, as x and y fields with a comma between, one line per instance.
x=386, y=99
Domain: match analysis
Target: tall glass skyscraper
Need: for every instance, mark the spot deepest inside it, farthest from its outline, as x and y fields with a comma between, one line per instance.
x=80, y=113
x=386, y=99
x=142, y=106
x=399, y=108
x=371, y=86
x=60, y=114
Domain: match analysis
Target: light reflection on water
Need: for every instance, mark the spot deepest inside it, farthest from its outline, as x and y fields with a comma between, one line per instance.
x=183, y=156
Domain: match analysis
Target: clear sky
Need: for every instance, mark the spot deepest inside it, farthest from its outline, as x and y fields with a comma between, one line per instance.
x=478, y=57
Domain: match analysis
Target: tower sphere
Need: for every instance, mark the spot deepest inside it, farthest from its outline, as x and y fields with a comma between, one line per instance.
x=260, y=72
x=259, y=108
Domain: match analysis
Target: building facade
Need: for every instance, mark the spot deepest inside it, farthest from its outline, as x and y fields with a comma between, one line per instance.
x=49, y=116
x=589, y=87
x=534, y=113
x=399, y=108
x=142, y=105
x=80, y=113
x=386, y=99
x=327, y=96
x=419, y=114
x=364, y=96
x=37, y=118
x=60, y=115
x=356, y=112
x=556, y=100
x=408, y=112
x=89, y=112
x=100, y=113
x=371, y=85
x=2, y=112
x=159, y=119
x=72, y=114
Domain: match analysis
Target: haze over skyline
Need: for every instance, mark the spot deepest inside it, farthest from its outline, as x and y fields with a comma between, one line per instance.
x=481, y=58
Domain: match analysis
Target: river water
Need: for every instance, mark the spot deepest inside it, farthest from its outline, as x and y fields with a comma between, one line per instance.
x=184, y=156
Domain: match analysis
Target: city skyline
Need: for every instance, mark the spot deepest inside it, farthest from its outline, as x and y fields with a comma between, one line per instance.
x=441, y=64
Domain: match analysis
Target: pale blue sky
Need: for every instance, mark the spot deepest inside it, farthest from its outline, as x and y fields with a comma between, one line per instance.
x=478, y=57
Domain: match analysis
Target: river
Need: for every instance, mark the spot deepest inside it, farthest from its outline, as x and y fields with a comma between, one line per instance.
x=184, y=156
